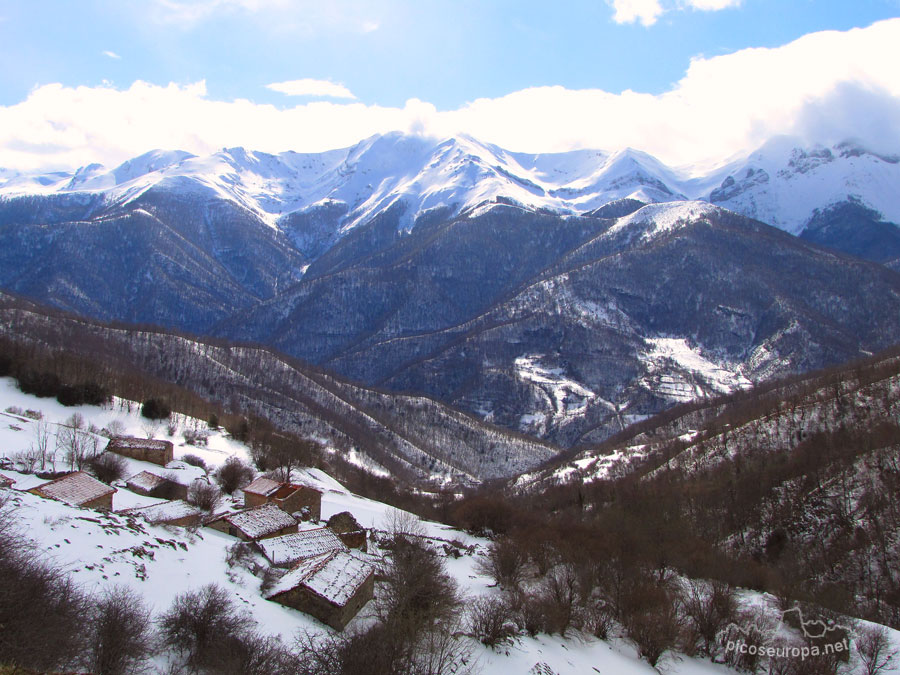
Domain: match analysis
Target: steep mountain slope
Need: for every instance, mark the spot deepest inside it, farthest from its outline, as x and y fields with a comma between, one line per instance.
x=536, y=291
x=798, y=477
x=409, y=436
x=622, y=318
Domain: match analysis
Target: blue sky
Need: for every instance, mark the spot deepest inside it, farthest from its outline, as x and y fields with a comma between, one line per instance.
x=425, y=58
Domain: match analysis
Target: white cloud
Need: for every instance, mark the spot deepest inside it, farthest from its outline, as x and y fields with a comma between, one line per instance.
x=370, y=26
x=630, y=11
x=648, y=11
x=191, y=11
x=111, y=55
x=823, y=87
x=311, y=87
x=713, y=5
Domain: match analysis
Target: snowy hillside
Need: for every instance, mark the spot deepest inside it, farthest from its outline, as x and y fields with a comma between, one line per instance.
x=102, y=549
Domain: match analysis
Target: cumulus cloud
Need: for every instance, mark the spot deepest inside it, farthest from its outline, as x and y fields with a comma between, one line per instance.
x=713, y=5
x=311, y=87
x=191, y=11
x=630, y=11
x=823, y=87
x=648, y=11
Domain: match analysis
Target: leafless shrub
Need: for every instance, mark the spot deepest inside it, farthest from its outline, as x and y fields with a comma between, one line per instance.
x=490, y=620
x=108, y=467
x=234, y=474
x=504, y=563
x=39, y=606
x=194, y=460
x=196, y=437
x=599, y=620
x=709, y=608
x=874, y=649
x=651, y=619
x=250, y=653
x=559, y=592
x=199, y=622
x=114, y=429
x=204, y=495
x=238, y=554
x=121, y=638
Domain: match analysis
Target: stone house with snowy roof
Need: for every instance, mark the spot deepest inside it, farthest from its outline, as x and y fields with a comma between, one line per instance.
x=148, y=450
x=78, y=489
x=289, y=549
x=332, y=587
x=178, y=513
x=348, y=530
x=256, y=523
x=289, y=497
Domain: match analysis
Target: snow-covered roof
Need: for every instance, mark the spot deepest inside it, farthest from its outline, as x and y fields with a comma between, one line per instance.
x=263, y=486
x=134, y=442
x=165, y=512
x=334, y=576
x=145, y=481
x=295, y=546
x=74, y=489
x=260, y=521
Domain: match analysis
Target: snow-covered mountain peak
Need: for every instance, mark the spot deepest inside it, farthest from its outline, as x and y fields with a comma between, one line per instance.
x=782, y=183
x=654, y=220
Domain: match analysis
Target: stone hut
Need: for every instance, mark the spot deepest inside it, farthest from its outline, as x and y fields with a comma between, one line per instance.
x=289, y=549
x=6, y=481
x=178, y=513
x=256, y=523
x=147, y=450
x=349, y=531
x=332, y=587
x=289, y=497
x=78, y=489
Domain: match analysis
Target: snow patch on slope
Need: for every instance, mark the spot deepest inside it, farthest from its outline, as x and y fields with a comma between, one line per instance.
x=693, y=376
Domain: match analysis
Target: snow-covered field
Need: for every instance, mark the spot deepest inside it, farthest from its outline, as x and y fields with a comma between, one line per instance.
x=100, y=549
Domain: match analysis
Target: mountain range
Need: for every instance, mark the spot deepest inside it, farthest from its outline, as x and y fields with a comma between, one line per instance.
x=562, y=295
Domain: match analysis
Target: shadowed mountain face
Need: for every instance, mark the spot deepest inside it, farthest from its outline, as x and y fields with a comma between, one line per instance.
x=570, y=327
x=565, y=311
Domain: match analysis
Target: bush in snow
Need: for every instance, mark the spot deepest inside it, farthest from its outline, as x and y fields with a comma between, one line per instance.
x=108, y=466
x=194, y=460
x=156, y=409
x=505, y=563
x=121, y=636
x=40, y=606
x=875, y=650
x=234, y=474
x=204, y=495
x=490, y=620
x=200, y=622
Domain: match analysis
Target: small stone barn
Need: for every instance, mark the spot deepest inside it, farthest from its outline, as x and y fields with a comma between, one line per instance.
x=257, y=523
x=6, y=481
x=148, y=484
x=147, y=450
x=289, y=549
x=349, y=531
x=78, y=489
x=332, y=587
x=178, y=513
x=289, y=497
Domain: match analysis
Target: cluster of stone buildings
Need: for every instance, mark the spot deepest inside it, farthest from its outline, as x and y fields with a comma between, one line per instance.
x=323, y=569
